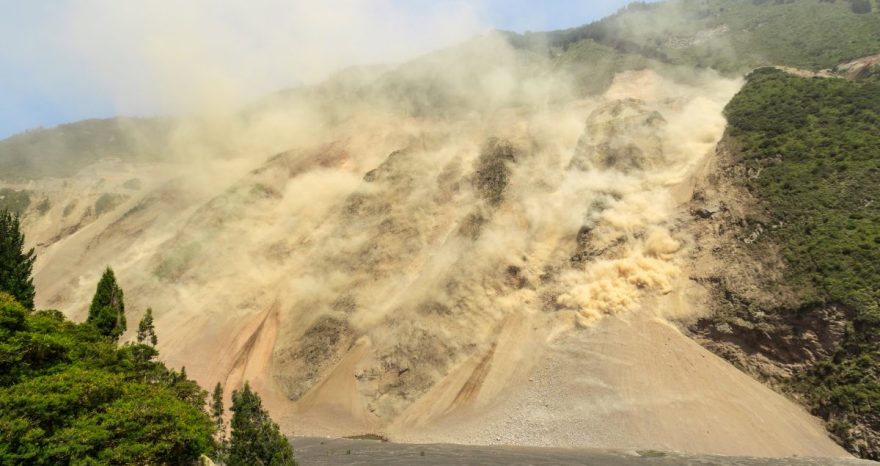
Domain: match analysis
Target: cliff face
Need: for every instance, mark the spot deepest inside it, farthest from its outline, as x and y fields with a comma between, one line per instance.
x=757, y=319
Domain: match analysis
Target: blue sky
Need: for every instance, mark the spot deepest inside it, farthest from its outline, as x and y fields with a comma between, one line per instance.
x=66, y=60
x=532, y=15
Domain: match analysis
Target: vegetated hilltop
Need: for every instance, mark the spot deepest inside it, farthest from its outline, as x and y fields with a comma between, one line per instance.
x=63, y=151
x=735, y=35
x=429, y=249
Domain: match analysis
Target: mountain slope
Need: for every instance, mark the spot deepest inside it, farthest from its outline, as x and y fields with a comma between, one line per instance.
x=63, y=151
x=435, y=265
x=805, y=154
x=444, y=248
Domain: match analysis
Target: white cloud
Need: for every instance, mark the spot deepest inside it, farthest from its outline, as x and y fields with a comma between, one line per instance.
x=204, y=55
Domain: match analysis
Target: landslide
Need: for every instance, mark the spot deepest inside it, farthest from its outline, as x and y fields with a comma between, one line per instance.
x=428, y=241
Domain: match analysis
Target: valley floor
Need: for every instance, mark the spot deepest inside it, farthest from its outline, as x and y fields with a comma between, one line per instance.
x=316, y=451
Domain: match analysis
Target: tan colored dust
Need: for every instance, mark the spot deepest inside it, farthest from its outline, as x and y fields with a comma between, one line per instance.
x=382, y=256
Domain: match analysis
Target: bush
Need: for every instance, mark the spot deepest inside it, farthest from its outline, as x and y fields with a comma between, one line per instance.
x=69, y=395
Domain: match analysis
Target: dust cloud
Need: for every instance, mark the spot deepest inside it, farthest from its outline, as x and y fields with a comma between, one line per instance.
x=391, y=222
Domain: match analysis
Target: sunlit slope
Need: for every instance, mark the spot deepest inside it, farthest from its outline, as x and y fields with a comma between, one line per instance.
x=484, y=245
x=408, y=268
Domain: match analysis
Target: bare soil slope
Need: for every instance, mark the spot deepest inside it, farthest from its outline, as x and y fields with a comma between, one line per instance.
x=635, y=381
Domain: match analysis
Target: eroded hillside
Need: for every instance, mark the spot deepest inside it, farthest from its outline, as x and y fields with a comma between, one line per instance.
x=409, y=270
x=489, y=244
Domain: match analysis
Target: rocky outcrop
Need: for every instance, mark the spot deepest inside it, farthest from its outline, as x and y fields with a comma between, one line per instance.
x=623, y=135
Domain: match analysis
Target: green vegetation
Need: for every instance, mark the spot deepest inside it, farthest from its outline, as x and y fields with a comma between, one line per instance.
x=492, y=171
x=146, y=330
x=222, y=451
x=67, y=149
x=44, y=206
x=255, y=440
x=68, y=209
x=69, y=395
x=107, y=201
x=815, y=147
x=133, y=184
x=15, y=262
x=736, y=35
x=107, y=311
x=14, y=201
x=730, y=36
x=177, y=262
x=593, y=65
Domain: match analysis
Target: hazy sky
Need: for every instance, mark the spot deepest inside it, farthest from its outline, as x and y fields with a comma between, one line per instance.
x=66, y=60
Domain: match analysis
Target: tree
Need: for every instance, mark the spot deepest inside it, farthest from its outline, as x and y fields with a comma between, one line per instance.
x=146, y=330
x=107, y=311
x=217, y=406
x=217, y=415
x=68, y=396
x=255, y=439
x=16, y=264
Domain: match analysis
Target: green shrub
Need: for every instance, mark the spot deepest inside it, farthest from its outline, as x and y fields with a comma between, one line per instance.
x=14, y=201
x=107, y=202
x=70, y=395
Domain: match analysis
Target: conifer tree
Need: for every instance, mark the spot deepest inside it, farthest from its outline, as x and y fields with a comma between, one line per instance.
x=107, y=311
x=146, y=330
x=217, y=416
x=217, y=406
x=16, y=264
x=255, y=439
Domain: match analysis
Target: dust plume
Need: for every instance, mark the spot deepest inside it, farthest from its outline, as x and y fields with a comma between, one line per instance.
x=392, y=223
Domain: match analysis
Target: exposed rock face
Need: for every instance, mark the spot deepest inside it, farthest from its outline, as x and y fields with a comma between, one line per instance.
x=492, y=173
x=622, y=135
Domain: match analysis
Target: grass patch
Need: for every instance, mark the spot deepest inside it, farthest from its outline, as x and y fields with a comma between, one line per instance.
x=68, y=209
x=178, y=262
x=44, y=206
x=133, y=184
x=374, y=437
x=108, y=202
x=14, y=201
